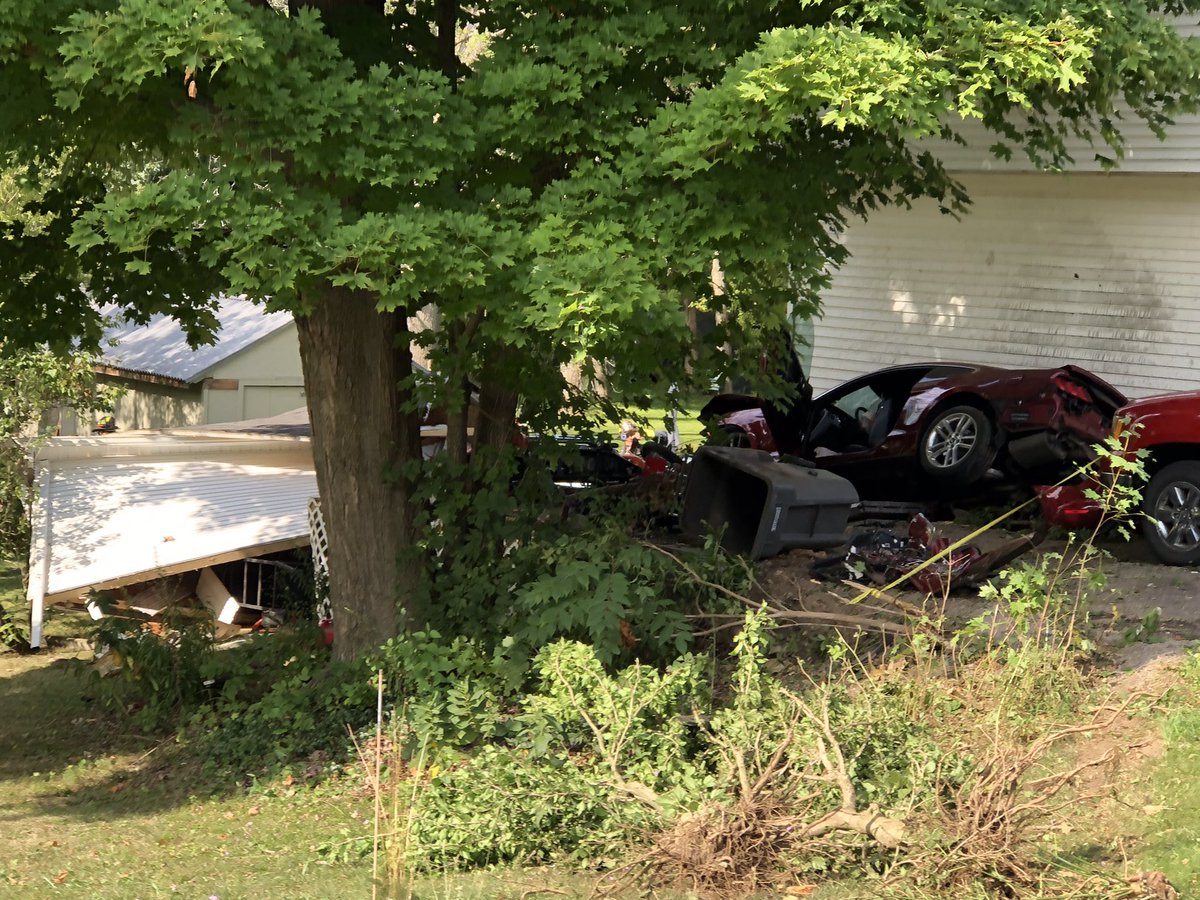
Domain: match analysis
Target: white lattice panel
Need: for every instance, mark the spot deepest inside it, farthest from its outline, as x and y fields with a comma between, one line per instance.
x=320, y=556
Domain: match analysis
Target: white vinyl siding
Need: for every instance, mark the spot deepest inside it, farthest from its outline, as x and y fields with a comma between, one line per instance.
x=108, y=520
x=1098, y=270
x=1144, y=152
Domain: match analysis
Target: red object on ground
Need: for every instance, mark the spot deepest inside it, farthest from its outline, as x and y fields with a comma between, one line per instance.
x=1065, y=505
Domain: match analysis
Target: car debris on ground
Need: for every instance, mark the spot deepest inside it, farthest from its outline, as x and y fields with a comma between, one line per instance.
x=882, y=557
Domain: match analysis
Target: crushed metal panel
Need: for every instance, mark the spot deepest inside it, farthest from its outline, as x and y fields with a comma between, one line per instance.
x=115, y=519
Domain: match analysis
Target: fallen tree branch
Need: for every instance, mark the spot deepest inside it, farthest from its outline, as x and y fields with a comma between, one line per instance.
x=887, y=831
x=778, y=611
x=810, y=617
x=610, y=750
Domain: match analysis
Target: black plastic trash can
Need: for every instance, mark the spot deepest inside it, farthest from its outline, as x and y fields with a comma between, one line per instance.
x=764, y=506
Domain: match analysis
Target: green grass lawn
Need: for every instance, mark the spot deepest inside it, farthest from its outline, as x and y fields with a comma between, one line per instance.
x=90, y=810
x=1170, y=841
x=689, y=426
x=1169, y=838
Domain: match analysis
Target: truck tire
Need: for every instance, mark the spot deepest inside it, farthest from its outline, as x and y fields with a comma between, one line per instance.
x=1172, y=513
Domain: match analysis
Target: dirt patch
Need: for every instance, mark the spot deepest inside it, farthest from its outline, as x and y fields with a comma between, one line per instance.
x=1149, y=667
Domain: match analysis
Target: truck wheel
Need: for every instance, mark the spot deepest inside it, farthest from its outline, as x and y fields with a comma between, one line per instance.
x=1172, y=513
x=956, y=446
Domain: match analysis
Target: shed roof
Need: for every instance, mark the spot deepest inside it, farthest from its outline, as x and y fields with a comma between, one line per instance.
x=160, y=347
x=126, y=508
x=291, y=424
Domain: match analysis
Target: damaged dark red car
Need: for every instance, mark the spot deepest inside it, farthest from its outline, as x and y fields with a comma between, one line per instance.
x=914, y=428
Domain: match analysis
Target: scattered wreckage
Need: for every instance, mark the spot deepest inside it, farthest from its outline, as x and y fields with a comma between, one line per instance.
x=760, y=506
x=1167, y=428
x=924, y=559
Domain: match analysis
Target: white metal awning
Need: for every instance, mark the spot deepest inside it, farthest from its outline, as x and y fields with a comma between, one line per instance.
x=118, y=510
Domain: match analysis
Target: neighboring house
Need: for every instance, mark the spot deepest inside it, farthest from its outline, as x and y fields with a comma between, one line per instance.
x=251, y=371
x=1096, y=268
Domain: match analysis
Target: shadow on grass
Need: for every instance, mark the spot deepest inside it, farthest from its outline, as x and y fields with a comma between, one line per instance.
x=63, y=753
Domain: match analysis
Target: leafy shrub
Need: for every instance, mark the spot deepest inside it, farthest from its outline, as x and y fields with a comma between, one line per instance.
x=249, y=707
x=510, y=571
x=594, y=757
x=161, y=672
x=280, y=697
x=14, y=633
x=641, y=722
x=582, y=747
x=451, y=692
x=503, y=805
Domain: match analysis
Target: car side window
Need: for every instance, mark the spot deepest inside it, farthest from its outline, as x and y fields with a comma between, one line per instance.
x=866, y=397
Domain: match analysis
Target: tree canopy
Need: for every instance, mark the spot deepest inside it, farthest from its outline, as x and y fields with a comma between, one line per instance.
x=558, y=196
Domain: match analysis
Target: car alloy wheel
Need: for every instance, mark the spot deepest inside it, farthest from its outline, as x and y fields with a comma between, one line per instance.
x=951, y=440
x=1171, y=503
x=1172, y=507
x=1177, y=515
x=956, y=447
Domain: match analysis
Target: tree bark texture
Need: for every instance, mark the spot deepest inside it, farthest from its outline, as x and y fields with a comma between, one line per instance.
x=354, y=359
x=496, y=420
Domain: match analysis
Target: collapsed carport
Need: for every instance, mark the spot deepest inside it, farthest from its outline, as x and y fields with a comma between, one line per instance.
x=122, y=509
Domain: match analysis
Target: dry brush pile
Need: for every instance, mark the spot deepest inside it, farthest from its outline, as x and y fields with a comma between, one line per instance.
x=914, y=774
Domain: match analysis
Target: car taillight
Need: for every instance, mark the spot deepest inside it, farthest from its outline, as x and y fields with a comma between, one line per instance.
x=1071, y=388
x=655, y=465
x=1077, y=516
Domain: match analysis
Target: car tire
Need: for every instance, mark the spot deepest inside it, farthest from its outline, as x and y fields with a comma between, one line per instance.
x=1171, y=505
x=956, y=446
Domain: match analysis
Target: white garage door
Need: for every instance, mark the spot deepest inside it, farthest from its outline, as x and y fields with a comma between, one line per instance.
x=1098, y=270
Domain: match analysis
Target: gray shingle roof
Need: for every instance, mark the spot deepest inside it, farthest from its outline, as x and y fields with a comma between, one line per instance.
x=160, y=347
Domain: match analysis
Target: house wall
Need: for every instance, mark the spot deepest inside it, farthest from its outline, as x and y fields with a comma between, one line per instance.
x=1143, y=151
x=145, y=405
x=1099, y=270
x=263, y=380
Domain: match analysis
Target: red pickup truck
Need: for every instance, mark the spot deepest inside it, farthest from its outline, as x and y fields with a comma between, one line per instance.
x=1168, y=426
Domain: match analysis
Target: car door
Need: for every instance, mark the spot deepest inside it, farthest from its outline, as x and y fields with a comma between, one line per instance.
x=849, y=427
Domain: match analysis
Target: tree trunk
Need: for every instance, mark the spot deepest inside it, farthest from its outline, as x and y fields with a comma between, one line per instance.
x=354, y=358
x=498, y=398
